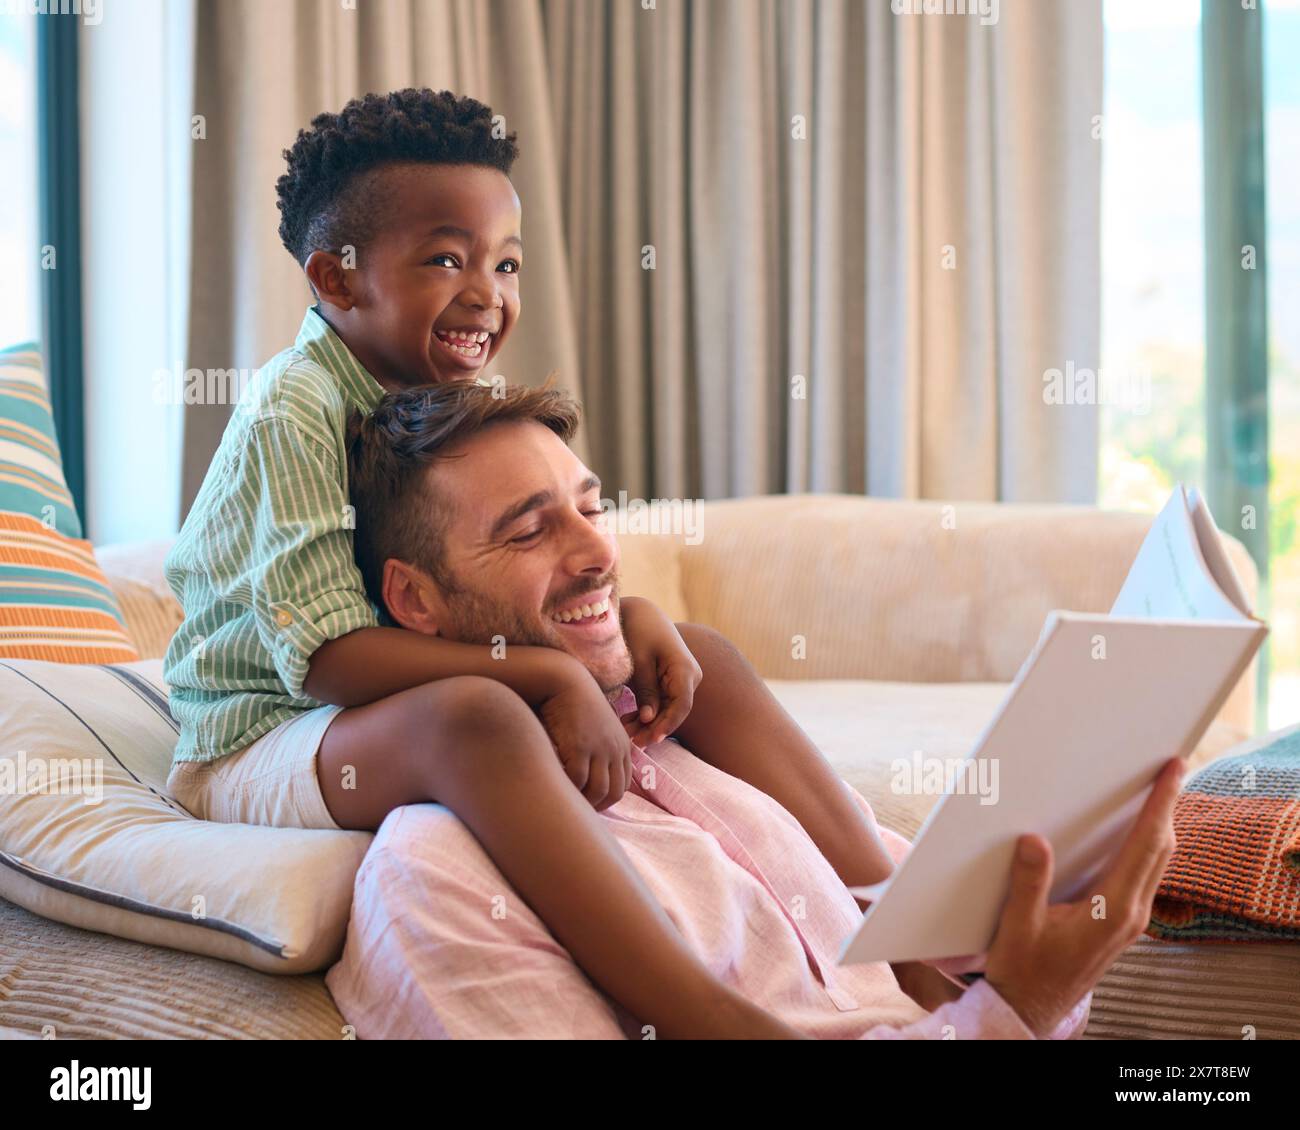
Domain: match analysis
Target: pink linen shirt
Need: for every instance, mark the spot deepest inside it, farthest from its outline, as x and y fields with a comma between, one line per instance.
x=440, y=946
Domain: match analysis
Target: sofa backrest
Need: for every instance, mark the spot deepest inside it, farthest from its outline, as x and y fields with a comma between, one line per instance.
x=847, y=587
x=842, y=586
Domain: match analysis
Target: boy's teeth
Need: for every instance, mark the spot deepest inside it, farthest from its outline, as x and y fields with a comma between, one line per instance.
x=468, y=344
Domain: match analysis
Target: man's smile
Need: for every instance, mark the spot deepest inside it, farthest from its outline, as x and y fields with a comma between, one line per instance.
x=592, y=617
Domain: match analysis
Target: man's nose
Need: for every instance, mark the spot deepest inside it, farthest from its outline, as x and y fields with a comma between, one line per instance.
x=591, y=547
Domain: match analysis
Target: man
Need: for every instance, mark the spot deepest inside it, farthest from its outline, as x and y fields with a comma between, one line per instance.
x=476, y=522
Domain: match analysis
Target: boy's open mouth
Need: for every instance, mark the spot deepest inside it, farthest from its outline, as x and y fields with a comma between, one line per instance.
x=467, y=346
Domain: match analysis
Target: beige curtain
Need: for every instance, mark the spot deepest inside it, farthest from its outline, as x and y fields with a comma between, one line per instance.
x=775, y=245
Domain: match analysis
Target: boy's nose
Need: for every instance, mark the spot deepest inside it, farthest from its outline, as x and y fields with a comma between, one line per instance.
x=482, y=293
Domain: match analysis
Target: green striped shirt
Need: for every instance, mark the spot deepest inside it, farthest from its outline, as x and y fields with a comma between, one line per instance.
x=263, y=566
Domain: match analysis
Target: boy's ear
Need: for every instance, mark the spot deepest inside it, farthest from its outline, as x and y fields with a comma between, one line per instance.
x=329, y=280
x=412, y=599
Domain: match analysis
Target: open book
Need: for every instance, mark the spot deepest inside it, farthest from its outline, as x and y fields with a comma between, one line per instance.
x=1101, y=703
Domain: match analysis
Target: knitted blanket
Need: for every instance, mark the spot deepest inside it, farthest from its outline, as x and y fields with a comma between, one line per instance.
x=1235, y=873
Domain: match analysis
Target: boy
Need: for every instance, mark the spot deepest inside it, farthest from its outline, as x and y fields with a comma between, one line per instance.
x=297, y=706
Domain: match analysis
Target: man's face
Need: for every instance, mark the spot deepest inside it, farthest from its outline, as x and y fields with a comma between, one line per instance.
x=437, y=288
x=527, y=545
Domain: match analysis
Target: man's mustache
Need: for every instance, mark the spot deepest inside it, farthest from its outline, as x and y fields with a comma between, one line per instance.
x=610, y=578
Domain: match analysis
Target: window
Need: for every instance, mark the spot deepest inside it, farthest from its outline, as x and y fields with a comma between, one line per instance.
x=1153, y=254
x=1153, y=287
x=20, y=312
x=1282, y=174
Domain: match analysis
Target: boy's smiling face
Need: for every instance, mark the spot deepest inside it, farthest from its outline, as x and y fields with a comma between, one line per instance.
x=439, y=272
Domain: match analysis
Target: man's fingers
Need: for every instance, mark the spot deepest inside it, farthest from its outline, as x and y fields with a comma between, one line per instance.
x=1141, y=860
x=1031, y=879
x=955, y=966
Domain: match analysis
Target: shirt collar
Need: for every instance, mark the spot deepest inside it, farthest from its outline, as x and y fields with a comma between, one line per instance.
x=317, y=339
x=319, y=342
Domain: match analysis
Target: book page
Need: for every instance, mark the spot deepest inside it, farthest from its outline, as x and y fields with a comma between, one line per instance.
x=1214, y=552
x=1169, y=578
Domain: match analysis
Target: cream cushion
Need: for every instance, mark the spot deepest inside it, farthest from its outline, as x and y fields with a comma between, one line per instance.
x=134, y=863
x=845, y=587
x=862, y=726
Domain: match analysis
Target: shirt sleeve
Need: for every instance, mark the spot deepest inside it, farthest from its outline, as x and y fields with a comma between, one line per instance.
x=305, y=585
x=981, y=1013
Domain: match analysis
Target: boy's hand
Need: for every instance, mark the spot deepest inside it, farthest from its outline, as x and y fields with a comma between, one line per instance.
x=593, y=748
x=664, y=672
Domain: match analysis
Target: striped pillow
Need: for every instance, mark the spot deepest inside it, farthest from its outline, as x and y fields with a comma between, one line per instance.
x=90, y=837
x=55, y=603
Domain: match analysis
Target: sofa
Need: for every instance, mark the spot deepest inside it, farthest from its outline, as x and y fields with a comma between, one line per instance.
x=883, y=626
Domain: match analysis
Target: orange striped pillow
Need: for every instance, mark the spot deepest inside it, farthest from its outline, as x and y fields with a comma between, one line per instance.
x=55, y=603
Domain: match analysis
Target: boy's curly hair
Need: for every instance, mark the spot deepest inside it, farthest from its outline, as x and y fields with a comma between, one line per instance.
x=321, y=205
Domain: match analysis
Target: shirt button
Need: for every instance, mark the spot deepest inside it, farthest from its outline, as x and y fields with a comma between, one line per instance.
x=283, y=617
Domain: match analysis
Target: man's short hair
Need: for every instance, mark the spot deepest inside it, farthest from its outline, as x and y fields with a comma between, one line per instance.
x=390, y=450
x=327, y=198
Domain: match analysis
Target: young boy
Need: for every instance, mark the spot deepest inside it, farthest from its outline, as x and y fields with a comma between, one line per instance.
x=297, y=706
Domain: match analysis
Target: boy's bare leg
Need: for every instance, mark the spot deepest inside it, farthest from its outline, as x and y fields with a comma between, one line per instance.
x=737, y=725
x=473, y=745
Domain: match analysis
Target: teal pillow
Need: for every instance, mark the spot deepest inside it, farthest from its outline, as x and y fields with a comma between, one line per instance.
x=31, y=467
x=55, y=602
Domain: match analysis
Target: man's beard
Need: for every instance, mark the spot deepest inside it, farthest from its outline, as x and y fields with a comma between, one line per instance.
x=483, y=620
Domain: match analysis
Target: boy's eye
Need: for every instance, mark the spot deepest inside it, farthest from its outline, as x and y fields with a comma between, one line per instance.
x=512, y=264
x=435, y=261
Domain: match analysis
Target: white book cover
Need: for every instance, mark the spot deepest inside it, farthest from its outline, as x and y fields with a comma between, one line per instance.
x=1100, y=704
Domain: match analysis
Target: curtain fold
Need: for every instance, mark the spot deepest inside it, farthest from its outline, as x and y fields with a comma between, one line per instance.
x=774, y=245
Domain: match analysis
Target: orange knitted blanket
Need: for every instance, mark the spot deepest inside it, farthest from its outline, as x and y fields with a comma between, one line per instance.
x=1235, y=873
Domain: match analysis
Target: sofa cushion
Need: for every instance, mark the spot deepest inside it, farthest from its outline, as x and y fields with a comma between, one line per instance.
x=55, y=603
x=89, y=836
x=862, y=726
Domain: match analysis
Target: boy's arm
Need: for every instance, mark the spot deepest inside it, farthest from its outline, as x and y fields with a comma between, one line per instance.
x=310, y=601
x=370, y=663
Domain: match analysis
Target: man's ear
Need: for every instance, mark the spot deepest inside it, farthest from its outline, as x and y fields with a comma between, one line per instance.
x=412, y=599
x=329, y=279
